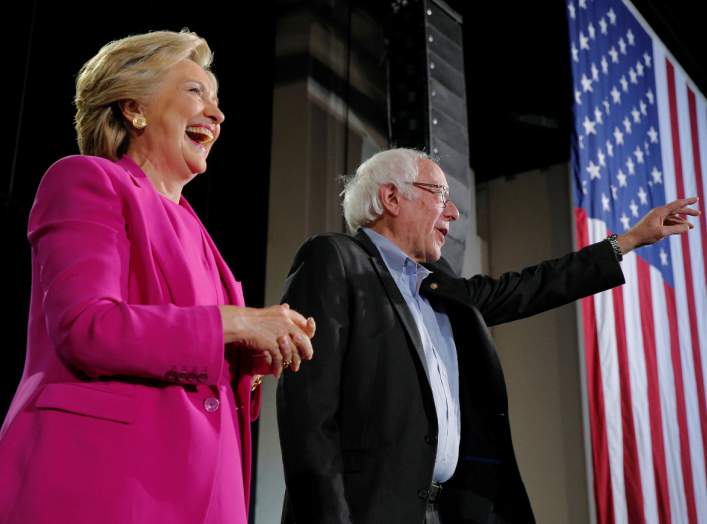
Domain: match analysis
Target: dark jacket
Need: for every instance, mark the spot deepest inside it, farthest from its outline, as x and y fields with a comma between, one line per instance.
x=358, y=423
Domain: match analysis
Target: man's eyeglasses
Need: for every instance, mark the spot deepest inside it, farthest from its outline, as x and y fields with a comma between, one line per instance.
x=441, y=191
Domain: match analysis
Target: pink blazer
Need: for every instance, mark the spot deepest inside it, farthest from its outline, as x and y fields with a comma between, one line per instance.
x=114, y=419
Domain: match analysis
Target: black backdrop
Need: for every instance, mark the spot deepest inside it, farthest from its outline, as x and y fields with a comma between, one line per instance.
x=46, y=45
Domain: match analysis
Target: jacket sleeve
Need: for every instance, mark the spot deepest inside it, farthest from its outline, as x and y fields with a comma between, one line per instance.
x=81, y=249
x=308, y=401
x=547, y=285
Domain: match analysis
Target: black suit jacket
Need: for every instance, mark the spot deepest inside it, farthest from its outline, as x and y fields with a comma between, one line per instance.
x=358, y=423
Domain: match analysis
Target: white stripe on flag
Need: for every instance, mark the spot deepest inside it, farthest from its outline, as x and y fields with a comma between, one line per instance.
x=639, y=389
x=606, y=335
x=668, y=401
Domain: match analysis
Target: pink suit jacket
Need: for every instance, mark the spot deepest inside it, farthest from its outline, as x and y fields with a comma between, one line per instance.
x=113, y=420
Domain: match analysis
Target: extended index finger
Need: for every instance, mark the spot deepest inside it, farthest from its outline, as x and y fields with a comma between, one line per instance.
x=680, y=203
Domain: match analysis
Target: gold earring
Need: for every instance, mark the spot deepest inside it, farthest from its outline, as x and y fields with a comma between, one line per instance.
x=139, y=122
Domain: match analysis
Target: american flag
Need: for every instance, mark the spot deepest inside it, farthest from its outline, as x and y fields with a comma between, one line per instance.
x=640, y=140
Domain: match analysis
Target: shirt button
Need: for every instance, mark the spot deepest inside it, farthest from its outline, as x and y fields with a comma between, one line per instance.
x=211, y=404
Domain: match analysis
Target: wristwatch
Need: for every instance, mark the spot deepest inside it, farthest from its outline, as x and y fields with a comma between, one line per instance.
x=615, y=246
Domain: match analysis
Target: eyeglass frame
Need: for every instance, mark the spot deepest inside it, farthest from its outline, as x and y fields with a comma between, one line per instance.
x=441, y=191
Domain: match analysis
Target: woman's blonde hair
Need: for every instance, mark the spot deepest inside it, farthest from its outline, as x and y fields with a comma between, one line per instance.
x=127, y=69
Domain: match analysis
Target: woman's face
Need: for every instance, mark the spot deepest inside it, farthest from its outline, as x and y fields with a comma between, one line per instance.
x=183, y=122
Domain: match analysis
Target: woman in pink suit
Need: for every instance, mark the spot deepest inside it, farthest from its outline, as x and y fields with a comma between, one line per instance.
x=142, y=366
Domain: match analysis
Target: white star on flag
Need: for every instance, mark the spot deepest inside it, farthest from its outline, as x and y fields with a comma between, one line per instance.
x=604, y=65
x=639, y=154
x=601, y=158
x=663, y=257
x=598, y=115
x=614, y=54
x=593, y=170
x=636, y=114
x=570, y=8
x=618, y=136
x=583, y=41
x=647, y=59
x=605, y=202
x=627, y=125
x=642, y=195
x=586, y=84
x=630, y=166
x=621, y=177
x=622, y=46
x=615, y=95
x=625, y=221
x=589, y=128
x=653, y=135
x=612, y=16
x=634, y=208
x=603, y=26
x=657, y=176
x=609, y=148
x=624, y=83
x=630, y=37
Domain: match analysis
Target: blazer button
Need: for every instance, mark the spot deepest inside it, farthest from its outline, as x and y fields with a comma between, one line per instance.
x=434, y=285
x=423, y=493
x=211, y=404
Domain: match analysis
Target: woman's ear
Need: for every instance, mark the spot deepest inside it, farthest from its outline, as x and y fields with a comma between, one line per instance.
x=133, y=113
x=390, y=198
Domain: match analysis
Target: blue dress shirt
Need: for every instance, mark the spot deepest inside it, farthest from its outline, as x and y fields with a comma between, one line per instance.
x=439, y=348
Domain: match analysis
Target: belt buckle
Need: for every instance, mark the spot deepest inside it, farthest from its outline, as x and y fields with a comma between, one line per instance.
x=435, y=492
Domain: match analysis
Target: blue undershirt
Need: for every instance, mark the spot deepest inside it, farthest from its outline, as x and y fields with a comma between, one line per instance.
x=439, y=348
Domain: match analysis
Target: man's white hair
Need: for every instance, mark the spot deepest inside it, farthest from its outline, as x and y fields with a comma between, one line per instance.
x=362, y=205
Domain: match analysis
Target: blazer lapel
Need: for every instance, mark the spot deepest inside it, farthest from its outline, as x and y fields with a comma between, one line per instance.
x=395, y=297
x=166, y=252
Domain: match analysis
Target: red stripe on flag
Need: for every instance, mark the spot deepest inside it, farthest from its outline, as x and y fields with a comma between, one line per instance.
x=687, y=265
x=597, y=418
x=697, y=160
x=680, y=403
x=632, y=470
x=653, y=387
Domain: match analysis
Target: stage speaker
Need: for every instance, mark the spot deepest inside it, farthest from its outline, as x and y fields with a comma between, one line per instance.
x=427, y=100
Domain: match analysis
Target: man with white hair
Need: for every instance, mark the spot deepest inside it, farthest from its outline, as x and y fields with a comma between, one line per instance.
x=401, y=417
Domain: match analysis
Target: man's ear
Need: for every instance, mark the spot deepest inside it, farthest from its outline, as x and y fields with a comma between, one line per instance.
x=390, y=198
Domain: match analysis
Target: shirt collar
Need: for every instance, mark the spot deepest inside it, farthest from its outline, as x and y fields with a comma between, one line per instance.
x=399, y=264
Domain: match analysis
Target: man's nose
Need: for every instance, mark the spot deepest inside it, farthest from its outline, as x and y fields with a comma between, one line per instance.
x=451, y=211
